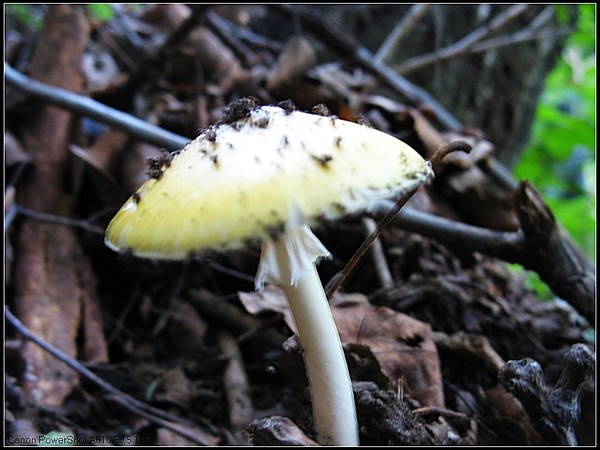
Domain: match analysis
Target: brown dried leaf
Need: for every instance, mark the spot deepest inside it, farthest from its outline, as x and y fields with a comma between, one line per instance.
x=220, y=63
x=169, y=15
x=403, y=346
x=387, y=104
x=293, y=62
x=474, y=348
x=186, y=330
x=512, y=411
x=235, y=382
x=430, y=137
x=269, y=299
x=175, y=388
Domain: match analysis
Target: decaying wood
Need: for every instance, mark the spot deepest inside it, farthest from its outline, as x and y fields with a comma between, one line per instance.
x=54, y=281
x=550, y=252
x=387, y=419
x=276, y=430
x=554, y=411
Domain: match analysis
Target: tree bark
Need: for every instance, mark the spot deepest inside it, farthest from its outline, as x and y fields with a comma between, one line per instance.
x=494, y=89
x=52, y=275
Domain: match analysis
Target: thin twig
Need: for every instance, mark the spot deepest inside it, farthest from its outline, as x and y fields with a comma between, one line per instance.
x=519, y=38
x=132, y=404
x=464, y=45
x=553, y=256
x=51, y=218
x=344, y=45
x=383, y=271
x=338, y=281
x=530, y=32
x=400, y=31
x=88, y=107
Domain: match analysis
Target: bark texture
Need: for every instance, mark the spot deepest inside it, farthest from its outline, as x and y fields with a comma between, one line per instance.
x=54, y=282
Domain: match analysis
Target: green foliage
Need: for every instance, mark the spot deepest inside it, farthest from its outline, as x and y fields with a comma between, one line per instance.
x=101, y=11
x=560, y=158
x=32, y=16
x=27, y=15
x=533, y=282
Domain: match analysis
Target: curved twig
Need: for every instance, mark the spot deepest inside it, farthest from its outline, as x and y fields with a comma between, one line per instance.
x=52, y=218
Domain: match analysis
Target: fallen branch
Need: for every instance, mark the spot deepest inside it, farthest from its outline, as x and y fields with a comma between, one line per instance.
x=554, y=411
x=81, y=104
x=346, y=47
x=157, y=416
x=539, y=245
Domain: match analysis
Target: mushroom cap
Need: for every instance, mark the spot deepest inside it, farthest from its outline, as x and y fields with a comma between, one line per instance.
x=250, y=179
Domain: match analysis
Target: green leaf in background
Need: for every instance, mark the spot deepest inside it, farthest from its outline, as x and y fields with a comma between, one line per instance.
x=560, y=159
x=29, y=15
x=101, y=11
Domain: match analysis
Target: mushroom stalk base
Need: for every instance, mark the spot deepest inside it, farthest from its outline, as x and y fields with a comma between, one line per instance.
x=328, y=376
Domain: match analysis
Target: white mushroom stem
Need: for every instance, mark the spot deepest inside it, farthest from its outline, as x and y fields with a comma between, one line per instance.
x=289, y=261
x=328, y=377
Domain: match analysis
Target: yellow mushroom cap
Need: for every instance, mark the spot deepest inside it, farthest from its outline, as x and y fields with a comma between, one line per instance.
x=247, y=180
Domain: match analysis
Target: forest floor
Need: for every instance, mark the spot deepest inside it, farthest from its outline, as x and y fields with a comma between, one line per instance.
x=446, y=343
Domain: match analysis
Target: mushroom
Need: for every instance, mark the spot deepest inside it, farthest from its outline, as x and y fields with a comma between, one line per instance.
x=267, y=174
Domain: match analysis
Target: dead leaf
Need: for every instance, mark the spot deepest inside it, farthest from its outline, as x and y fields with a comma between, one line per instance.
x=186, y=331
x=98, y=165
x=175, y=388
x=298, y=57
x=220, y=63
x=403, y=346
x=168, y=16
